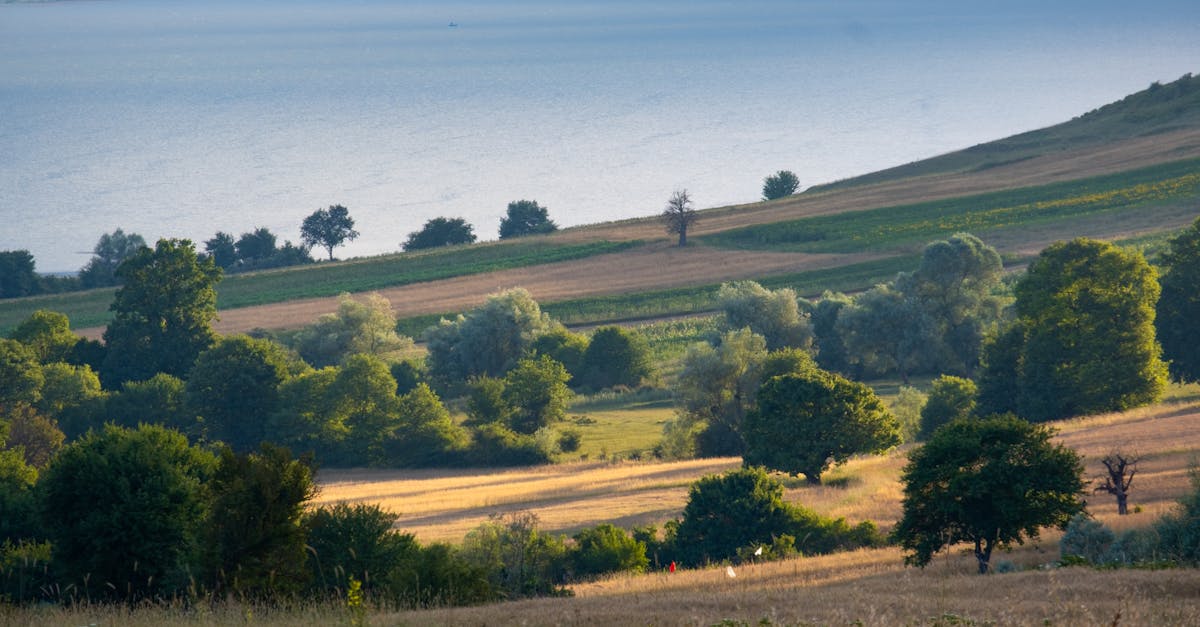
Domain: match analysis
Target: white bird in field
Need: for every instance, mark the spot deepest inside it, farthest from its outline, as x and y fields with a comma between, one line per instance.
x=758, y=551
x=729, y=572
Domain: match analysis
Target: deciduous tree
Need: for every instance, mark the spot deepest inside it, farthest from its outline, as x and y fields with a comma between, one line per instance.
x=365, y=325
x=49, y=334
x=488, y=340
x=439, y=232
x=950, y=398
x=775, y=315
x=615, y=356
x=112, y=249
x=679, y=215
x=328, y=228
x=989, y=482
x=1178, y=308
x=782, y=184
x=807, y=420
x=17, y=275
x=162, y=316
x=125, y=510
x=1088, y=311
x=525, y=217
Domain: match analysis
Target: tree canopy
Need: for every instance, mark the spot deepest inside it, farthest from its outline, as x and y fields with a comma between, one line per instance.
x=806, y=420
x=439, y=232
x=775, y=315
x=112, y=249
x=1087, y=310
x=127, y=508
x=615, y=356
x=17, y=274
x=989, y=482
x=360, y=325
x=782, y=184
x=1178, y=309
x=162, y=316
x=525, y=217
x=328, y=228
x=679, y=216
x=488, y=340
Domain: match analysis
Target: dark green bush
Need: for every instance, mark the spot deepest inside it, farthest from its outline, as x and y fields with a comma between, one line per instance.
x=605, y=549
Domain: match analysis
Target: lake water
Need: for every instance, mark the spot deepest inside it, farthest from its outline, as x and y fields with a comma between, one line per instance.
x=172, y=118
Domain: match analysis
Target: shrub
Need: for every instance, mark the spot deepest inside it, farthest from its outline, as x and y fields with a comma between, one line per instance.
x=1086, y=538
x=355, y=541
x=604, y=549
x=520, y=560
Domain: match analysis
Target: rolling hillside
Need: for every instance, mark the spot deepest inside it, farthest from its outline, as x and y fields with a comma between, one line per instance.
x=1151, y=138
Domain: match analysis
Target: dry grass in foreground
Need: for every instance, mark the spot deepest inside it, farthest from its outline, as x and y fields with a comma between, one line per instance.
x=864, y=587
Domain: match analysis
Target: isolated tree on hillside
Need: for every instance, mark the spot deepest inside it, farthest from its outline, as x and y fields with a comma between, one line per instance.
x=1178, y=319
x=990, y=482
x=328, y=228
x=679, y=215
x=1087, y=308
x=1120, y=468
x=162, y=316
x=780, y=185
x=525, y=217
x=110, y=251
x=439, y=232
x=805, y=421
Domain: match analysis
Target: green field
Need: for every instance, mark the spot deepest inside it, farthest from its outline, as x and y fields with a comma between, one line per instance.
x=906, y=226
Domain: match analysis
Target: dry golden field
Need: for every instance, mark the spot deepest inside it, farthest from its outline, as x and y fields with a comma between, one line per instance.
x=442, y=505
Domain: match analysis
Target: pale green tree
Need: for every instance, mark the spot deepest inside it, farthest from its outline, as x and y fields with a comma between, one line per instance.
x=773, y=314
x=365, y=325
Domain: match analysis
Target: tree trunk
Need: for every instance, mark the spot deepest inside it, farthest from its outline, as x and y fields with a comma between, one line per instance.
x=1122, y=503
x=682, y=237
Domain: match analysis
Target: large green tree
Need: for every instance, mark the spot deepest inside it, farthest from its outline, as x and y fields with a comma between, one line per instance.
x=806, y=420
x=234, y=388
x=950, y=398
x=525, y=217
x=125, y=510
x=989, y=482
x=1087, y=308
x=1178, y=320
x=886, y=331
x=162, y=315
x=537, y=391
x=328, y=228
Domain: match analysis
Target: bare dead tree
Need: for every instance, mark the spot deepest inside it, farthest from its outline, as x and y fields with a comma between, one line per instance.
x=1121, y=467
x=679, y=215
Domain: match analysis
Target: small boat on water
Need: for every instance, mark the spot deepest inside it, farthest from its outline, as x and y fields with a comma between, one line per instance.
x=453, y=24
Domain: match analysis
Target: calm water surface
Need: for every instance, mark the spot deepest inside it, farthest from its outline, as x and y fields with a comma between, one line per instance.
x=172, y=118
